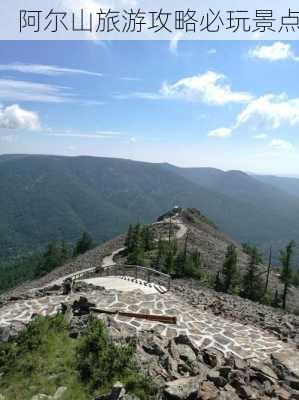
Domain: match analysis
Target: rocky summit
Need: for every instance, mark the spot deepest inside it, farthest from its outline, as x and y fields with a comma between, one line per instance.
x=189, y=341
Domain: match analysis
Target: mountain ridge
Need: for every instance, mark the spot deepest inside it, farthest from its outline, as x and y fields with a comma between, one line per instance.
x=56, y=197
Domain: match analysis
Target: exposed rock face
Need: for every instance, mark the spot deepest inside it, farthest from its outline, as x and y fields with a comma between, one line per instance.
x=284, y=326
x=181, y=389
x=184, y=372
x=287, y=367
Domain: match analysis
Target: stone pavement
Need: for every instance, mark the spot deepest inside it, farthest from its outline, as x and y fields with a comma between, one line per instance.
x=203, y=327
x=122, y=283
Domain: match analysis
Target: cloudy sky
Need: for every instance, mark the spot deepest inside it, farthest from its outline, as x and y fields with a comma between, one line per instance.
x=231, y=105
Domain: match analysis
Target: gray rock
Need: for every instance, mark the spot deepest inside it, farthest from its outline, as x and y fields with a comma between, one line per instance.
x=41, y=396
x=215, y=377
x=213, y=357
x=249, y=393
x=181, y=389
x=12, y=331
x=208, y=391
x=59, y=392
x=286, y=364
x=263, y=372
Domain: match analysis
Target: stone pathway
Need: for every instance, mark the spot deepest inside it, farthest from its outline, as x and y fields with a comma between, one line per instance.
x=175, y=220
x=123, y=284
x=203, y=327
x=109, y=260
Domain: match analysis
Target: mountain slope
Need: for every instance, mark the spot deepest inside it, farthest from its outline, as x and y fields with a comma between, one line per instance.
x=278, y=208
x=46, y=198
x=289, y=185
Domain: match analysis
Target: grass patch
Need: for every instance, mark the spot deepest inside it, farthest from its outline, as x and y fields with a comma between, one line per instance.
x=45, y=358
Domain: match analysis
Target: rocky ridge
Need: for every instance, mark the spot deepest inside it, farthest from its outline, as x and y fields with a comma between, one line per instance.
x=183, y=365
x=182, y=371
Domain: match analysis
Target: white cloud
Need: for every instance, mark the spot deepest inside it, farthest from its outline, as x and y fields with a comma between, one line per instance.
x=276, y=52
x=18, y=91
x=261, y=136
x=15, y=117
x=15, y=90
x=272, y=110
x=85, y=135
x=281, y=145
x=49, y=70
x=174, y=42
x=221, y=133
x=210, y=88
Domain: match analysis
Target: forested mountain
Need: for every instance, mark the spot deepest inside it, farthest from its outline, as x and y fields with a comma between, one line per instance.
x=289, y=185
x=45, y=198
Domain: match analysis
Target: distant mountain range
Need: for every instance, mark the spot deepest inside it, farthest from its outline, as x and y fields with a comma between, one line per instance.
x=45, y=198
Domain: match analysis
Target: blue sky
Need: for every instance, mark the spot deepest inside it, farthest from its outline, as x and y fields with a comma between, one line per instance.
x=231, y=105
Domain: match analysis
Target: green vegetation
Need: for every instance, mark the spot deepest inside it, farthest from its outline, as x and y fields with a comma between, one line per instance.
x=84, y=244
x=163, y=254
x=44, y=358
x=100, y=363
x=230, y=271
x=250, y=250
x=287, y=271
x=252, y=283
x=228, y=280
x=43, y=198
x=35, y=266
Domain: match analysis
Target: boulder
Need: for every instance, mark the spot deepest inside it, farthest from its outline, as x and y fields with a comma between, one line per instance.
x=59, y=392
x=11, y=331
x=208, y=391
x=286, y=364
x=212, y=357
x=263, y=372
x=215, y=377
x=181, y=389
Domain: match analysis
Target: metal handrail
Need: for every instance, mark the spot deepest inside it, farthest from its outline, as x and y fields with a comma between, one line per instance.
x=149, y=274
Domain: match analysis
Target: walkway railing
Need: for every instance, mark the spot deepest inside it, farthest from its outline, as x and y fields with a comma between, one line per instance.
x=149, y=275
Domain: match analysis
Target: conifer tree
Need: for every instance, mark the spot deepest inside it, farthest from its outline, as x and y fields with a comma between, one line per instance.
x=129, y=242
x=276, y=300
x=169, y=265
x=148, y=238
x=287, y=272
x=193, y=265
x=64, y=251
x=252, y=284
x=51, y=257
x=218, y=285
x=230, y=268
x=84, y=244
x=136, y=254
x=180, y=264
